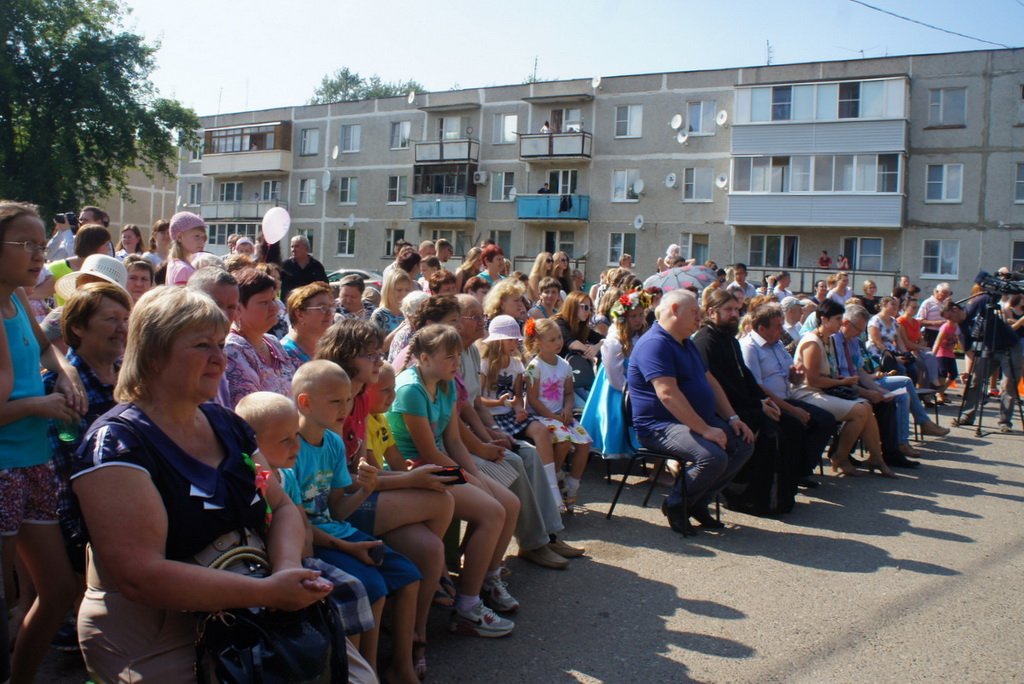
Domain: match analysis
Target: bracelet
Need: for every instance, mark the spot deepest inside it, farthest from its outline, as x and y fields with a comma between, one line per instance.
x=732, y=418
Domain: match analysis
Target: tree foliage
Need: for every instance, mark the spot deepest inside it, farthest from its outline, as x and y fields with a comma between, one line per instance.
x=77, y=109
x=345, y=85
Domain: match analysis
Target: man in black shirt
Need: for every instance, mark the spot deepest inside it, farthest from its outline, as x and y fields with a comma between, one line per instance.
x=301, y=269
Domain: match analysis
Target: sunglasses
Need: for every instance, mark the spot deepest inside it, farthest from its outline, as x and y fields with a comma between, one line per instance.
x=585, y=307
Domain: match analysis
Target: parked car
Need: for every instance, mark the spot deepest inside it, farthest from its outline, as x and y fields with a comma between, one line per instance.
x=370, y=278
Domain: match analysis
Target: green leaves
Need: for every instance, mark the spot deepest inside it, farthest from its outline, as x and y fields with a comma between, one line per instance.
x=345, y=85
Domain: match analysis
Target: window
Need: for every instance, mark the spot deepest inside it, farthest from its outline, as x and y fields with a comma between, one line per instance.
x=196, y=153
x=697, y=185
x=568, y=120
x=1017, y=256
x=231, y=191
x=560, y=241
x=443, y=179
x=782, y=103
x=1018, y=192
x=700, y=117
x=941, y=258
x=562, y=181
x=350, y=137
x=849, y=100
x=619, y=244
x=945, y=183
x=270, y=191
x=244, y=139
x=398, y=189
x=346, y=242
x=698, y=247
x=947, y=107
x=400, y=132
x=778, y=251
x=821, y=173
x=307, y=191
x=307, y=233
x=219, y=232
x=459, y=240
x=800, y=174
x=751, y=174
x=865, y=254
x=195, y=193
x=888, y=173
x=623, y=181
x=309, y=143
x=502, y=183
x=629, y=121
x=882, y=98
x=452, y=127
x=391, y=236
x=505, y=126
x=348, y=190
x=502, y=238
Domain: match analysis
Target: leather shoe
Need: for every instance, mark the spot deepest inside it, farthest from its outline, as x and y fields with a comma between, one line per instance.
x=898, y=460
x=544, y=557
x=933, y=429
x=706, y=520
x=807, y=483
x=677, y=519
x=565, y=550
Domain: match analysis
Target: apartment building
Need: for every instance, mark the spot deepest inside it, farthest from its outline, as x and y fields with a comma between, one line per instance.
x=909, y=164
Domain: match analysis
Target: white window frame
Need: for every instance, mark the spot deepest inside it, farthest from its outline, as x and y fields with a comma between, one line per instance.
x=458, y=239
x=502, y=183
x=218, y=232
x=943, y=244
x=391, y=236
x=500, y=135
x=564, y=241
x=502, y=238
x=236, y=191
x=309, y=142
x=345, y=246
x=398, y=187
x=615, y=251
x=753, y=263
x=567, y=181
x=1017, y=255
x=350, y=186
x=195, y=194
x=938, y=116
x=404, y=132
x=270, y=191
x=307, y=191
x=631, y=117
x=856, y=263
x=629, y=177
x=697, y=179
x=1018, y=186
x=350, y=138
x=948, y=197
x=197, y=153
x=705, y=119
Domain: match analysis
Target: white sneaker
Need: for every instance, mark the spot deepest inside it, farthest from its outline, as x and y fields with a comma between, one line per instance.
x=495, y=594
x=480, y=621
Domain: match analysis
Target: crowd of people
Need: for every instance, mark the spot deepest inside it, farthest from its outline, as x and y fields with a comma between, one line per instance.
x=163, y=407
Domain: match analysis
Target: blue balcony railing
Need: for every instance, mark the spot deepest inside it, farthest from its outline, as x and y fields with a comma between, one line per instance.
x=444, y=208
x=553, y=207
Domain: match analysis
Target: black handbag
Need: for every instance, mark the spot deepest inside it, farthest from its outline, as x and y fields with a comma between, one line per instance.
x=582, y=370
x=843, y=392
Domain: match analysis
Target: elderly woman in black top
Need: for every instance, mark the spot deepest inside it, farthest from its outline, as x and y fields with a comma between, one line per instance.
x=159, y=478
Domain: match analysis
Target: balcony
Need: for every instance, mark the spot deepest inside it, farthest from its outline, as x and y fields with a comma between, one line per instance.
x=257, y=148
x=443, y=208
x=451, y=150
x=845, y=136
x=553, y=207
x=555, y=146
x=869, y=210
x=251, y=209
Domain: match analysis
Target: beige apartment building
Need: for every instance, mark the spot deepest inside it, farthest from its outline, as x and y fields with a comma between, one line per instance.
x=910, y=164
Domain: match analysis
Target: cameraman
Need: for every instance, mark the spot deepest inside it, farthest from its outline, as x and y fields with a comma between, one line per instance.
x=1005, y=355
x=62, y=244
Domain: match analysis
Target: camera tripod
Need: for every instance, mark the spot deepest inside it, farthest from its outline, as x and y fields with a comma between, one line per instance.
x=984, y=349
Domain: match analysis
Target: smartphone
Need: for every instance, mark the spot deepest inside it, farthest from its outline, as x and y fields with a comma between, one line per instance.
x=376, y=554
x=452, y=471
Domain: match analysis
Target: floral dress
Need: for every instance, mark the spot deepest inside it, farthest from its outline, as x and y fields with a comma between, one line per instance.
x=247, y=372
x=550, y=379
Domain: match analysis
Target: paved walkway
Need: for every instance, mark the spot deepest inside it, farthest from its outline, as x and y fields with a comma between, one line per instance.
x=868, y=580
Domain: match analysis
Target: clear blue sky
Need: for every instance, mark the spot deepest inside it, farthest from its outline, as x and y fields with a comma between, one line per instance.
x=255, y=54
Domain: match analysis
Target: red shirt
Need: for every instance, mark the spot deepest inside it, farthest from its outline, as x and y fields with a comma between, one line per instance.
x=354, y=430
x=912, y=327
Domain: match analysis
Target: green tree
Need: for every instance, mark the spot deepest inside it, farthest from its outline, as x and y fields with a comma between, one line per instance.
x=77, y=109
x=345, y=85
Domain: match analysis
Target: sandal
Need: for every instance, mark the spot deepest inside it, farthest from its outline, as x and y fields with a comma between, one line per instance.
x=419, y=658
x=445, y=594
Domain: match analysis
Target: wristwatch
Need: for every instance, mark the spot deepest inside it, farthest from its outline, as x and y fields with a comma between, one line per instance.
x=732, y=418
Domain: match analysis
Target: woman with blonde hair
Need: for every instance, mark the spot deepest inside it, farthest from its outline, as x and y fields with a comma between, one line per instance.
x=388, y=316
x=542, y=267
x=506, y=298
x=469, y=267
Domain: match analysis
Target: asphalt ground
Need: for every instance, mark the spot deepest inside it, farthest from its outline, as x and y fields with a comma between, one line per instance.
x=867, y=580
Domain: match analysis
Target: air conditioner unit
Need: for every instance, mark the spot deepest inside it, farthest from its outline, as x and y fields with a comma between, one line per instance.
x=480, y=177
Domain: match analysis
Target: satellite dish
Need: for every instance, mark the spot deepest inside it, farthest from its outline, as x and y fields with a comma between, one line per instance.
x=412, y=97
x=638, y=186
x=638, y=222
x=670, y=180
x=351, y=220
x=325, y=181
x=682, y=137
x=512, y=193
x=676, y=123
x=722, y=180
x=722, y=117
x=595, y=82
x=334, y=152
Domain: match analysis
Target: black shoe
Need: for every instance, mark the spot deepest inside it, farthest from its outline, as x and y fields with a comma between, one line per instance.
x=898, y=460
x=706, y=520
x=807, y=483
x=66, y=638
x=677, y=519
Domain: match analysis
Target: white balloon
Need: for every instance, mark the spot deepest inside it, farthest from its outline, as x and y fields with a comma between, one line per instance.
x=276, y=223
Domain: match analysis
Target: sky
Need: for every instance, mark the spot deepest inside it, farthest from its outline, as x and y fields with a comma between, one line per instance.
x=218, y=56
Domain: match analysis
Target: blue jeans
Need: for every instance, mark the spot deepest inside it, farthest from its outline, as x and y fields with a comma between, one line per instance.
x=905, y=405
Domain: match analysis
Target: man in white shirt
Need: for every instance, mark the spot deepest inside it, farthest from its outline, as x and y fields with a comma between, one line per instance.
x=782, y=281
x=62, y=244
x=740, y=272
x=930, y=312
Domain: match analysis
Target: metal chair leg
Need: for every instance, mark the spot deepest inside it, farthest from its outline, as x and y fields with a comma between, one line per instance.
x=654, y=480
x=618, y=492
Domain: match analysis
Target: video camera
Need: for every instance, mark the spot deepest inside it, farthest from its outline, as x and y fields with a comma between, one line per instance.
x=68, y=217
x=1005, y=284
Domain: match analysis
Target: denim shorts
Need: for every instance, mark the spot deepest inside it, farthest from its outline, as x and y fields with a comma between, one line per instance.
x=364, y=517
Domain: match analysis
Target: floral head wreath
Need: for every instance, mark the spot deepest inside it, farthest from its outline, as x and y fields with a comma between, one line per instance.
x=530, y=328
x=631, y=301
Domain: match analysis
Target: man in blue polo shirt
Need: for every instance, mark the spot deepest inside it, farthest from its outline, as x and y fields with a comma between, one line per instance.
x=680, y=409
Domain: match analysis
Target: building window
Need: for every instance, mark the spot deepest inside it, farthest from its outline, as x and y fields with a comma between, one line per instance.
x=619, y=244
x=391, y=236
x=777, y=251
x=195, y=192
x=941, y=258
x=400, y=131
x=502, y=184
x=697, y=185
x=452, y=127
x=398, y=189
x=502, y=238
x=505, y=126
x=945, y=183
x=1018, y=193
x=888, y=173
x=629, y=121
x=947, y=107
x=623, y=182
x=231, y=191
x=849, y=100
x=309, y=143
x=700, y=117
x=270, y=191
x=307, y=191
x=562, y=181
x=459, y=240
x=1017, y=256
x=346, y=242
x=348, y=190
x=219, y=232
x=865, y=254
x=350, y=137
x=196, y=154
x=560, y=241
x=782, y=103
x=820, y=173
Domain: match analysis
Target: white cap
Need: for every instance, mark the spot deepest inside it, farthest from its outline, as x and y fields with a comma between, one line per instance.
x=503, y=328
